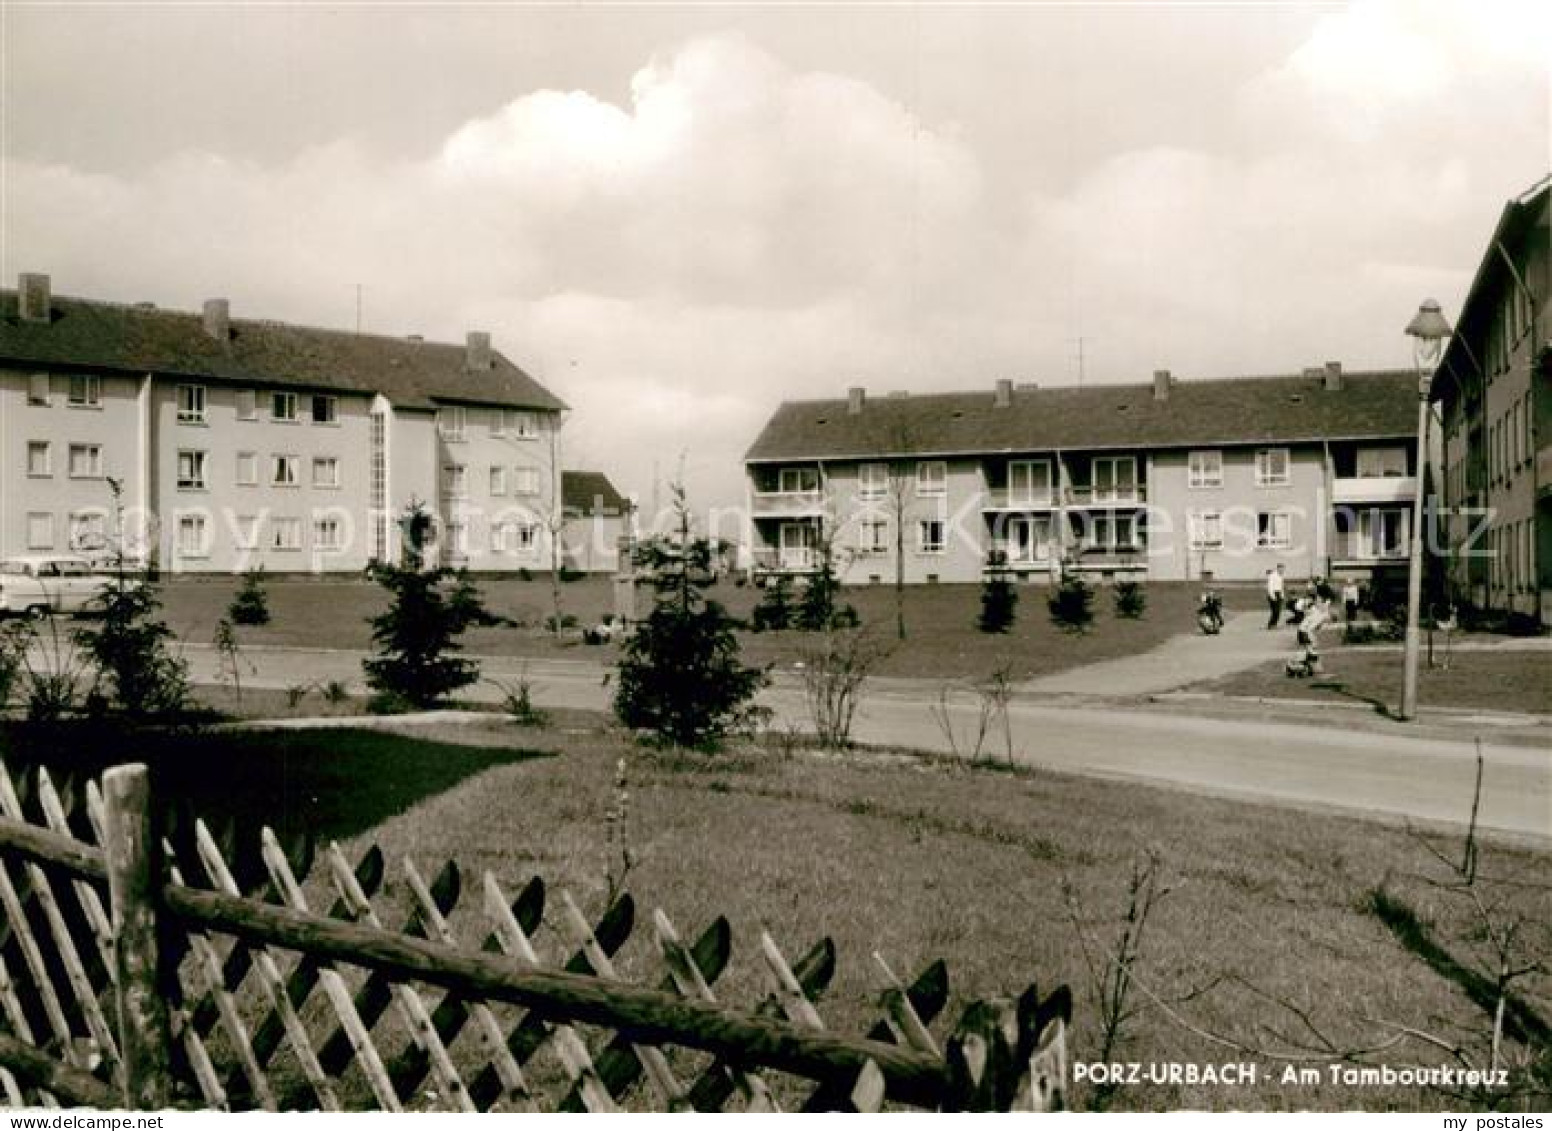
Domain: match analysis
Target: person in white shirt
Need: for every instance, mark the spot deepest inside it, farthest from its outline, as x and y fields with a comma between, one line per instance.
x=1274, y=595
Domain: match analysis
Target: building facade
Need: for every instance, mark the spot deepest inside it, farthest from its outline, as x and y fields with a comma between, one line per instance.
x=1493, y=389
x=238, y=444
x=596, y=517
x=1172, y=480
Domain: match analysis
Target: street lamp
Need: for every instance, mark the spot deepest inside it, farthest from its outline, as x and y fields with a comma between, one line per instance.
x=1428, y=331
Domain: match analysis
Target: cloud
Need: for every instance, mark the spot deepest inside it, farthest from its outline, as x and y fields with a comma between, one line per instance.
x=738, y=231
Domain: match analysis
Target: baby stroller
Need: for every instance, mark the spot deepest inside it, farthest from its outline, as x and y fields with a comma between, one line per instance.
x=1209, y=613
x=1306, y=663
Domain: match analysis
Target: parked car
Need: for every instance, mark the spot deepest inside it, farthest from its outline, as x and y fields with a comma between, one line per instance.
x=33, y=585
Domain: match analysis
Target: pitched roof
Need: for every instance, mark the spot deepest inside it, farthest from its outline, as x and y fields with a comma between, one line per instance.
x=1218, y=413
x=590, y=493
x=138, y=339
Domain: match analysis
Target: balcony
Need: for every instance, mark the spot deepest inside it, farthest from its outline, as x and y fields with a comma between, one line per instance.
x=1087, y=495
x=1544, y=469
x=1005, y=499
x=786, y=504
x=771, y=559
x=1374, y=489
x=1353, y=549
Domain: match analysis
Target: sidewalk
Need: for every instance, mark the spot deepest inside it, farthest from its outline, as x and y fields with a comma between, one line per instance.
x=1188, y=658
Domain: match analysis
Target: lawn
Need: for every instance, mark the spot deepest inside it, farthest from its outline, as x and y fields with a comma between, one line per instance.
x=1487, y=681
x=942, y=638
x=1266, y=920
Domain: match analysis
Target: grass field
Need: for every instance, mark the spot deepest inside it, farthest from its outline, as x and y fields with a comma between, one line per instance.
x=942, y=638
x=921, y=859
x=1488, y=681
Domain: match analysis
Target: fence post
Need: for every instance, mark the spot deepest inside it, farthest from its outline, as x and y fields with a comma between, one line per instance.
x=133, y=853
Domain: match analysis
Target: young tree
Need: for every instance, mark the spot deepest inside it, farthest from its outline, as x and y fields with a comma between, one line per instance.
x=774, y=611
x=818, y=610
x=417, y=635
x=999, y=603
x=128, y=646
x=679, y=678
x=251, y=603
x=1072, y=602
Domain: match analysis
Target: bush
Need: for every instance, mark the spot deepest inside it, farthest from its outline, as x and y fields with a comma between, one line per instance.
x=818, y=610
x=999, y=604
x=833, y=678
x=524, y=573
x=553, y=623
x=569, y=575
x=429, y=609
x=251, y=604
x=774, y=611
x=1131, y=599
x=135, y=671
x=679, y=677
x=1072, y=603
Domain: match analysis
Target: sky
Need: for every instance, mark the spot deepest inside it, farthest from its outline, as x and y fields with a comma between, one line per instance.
x=677, y=216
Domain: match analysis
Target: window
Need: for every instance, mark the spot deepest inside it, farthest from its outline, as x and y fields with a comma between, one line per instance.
x=795, y=480
x=872, y=480
x=1528, y=444
x=1382, y=533
x=514, y=538
x=245, y=532
x=85, y=391
x=519, y=423
x=285, y=534
x=85, y=461
x=247, y=404
x=88, y=530
x=282, y=407
x=325, y=409
x=1382, y=463
x=455, y=483
x=498, y=480
x=326, y=534
x=929, y=535
x=282, y=471
x=1272, y=467
x=326, y=471
x=39, y=462
x=40, y=531
x=1115, y=478
x=1113, y=531
x=191, y=536
x=191, y=470
x=873, y=536
x=191, y=404
x=932, y=479
x=1274, y=530
x=457, y=540
x=450, y=422
x=1029, y=482
x=247, y=469
x=1205, y=468
x=525, y=481
x=38, y=389
x=1206, y=530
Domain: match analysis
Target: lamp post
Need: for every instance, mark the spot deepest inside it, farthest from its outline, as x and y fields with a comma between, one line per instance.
x=1428, y=331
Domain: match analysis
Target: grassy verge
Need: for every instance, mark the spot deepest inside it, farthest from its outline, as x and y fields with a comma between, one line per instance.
x=1269, y=916
x=1488, y=681
x=942, y=639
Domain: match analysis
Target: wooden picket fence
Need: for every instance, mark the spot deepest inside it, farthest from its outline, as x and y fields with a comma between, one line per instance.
x=132, y=978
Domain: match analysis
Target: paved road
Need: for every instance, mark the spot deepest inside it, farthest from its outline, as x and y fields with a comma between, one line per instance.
x=1386, y=768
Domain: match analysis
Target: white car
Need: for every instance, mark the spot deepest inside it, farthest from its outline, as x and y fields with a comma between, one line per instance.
x=33, y=585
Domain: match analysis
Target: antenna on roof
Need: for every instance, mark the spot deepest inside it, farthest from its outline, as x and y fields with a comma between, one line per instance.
x=1080, y=339
x=359, y=289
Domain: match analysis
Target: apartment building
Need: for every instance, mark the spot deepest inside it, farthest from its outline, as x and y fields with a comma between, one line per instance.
x=1172, y=480
x=242, y=443
x=1494, y=392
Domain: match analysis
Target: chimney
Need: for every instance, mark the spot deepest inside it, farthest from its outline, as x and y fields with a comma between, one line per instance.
x=1161, y=380
x=1333, y=376
x=855, y=396
x=32, y=297
x=478, y=350
x=1004, y=393
x=218, y=319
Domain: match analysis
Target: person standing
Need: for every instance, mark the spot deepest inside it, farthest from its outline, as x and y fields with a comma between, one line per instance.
x=1350, y=600
x=1274, y=595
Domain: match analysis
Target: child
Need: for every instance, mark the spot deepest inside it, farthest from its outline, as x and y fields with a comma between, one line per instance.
x=1350, y=600
x=1316, y=614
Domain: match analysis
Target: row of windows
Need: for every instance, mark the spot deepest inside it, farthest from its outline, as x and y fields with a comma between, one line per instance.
x=82, y=390
x=500, y=479
x=84, y=461
x=1274, y=530
x=284, y=407
x=520, y=424
x=1512, y=567
x=1511, y=440
x=1513, y=318
x=284, y=470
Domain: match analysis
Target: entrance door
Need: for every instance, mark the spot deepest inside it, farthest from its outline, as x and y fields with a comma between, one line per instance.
x=797, y=545
x=1029, y=538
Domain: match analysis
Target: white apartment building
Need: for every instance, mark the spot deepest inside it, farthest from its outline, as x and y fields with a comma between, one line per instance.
x=241, y=443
